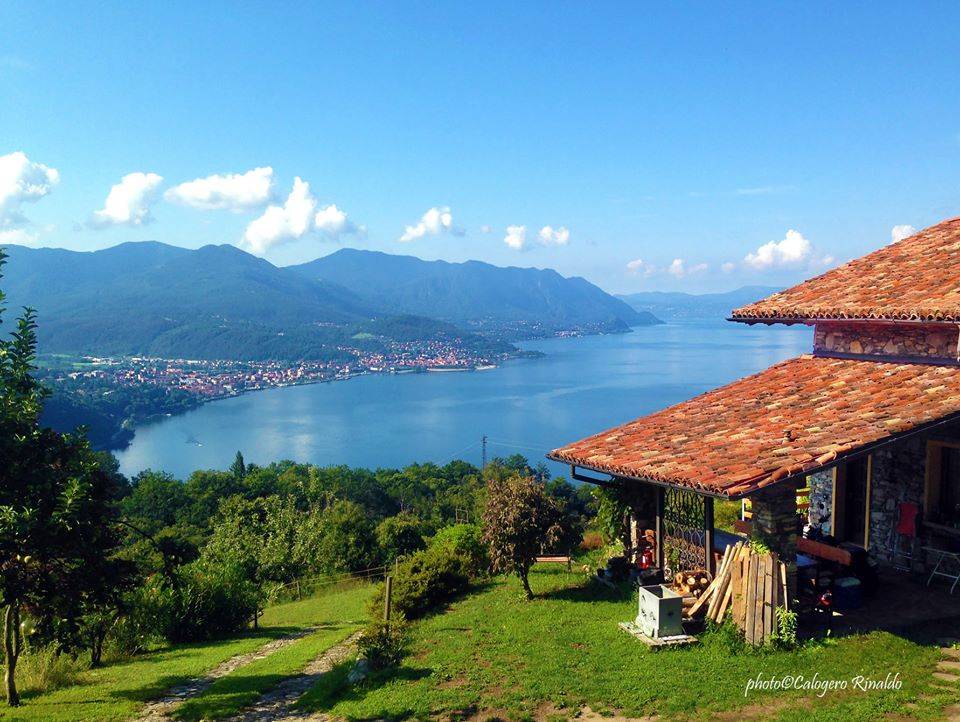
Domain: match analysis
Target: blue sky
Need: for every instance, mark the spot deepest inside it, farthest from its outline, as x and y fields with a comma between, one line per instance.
x=665, y=148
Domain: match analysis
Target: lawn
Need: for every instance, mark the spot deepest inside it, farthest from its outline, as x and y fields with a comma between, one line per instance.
x=116, y=691
x=494, y=654
x=342, y=614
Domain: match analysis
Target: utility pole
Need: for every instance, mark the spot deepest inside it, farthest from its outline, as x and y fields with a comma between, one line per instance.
x=483, y=453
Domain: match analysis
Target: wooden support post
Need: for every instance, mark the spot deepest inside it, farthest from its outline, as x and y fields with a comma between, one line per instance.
x=708, y=534
x=387, y=593
x=659, y=527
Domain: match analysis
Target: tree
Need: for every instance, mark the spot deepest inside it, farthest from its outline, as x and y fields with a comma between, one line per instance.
x=519, y=520
x=56, y=508
x=238, y=468
x=398, y=536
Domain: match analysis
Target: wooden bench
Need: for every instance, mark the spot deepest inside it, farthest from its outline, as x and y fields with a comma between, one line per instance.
x=555, y=559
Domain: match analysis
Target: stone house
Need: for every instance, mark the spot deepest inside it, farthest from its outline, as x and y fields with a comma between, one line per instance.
x=870, y=419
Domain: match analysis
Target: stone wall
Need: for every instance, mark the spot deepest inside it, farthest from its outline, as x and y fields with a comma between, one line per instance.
x=931, y=343
x=898, y=474
x=821, y=498
x=775, y=524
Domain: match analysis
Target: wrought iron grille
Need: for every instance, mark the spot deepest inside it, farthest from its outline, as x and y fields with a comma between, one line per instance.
x=684, y=531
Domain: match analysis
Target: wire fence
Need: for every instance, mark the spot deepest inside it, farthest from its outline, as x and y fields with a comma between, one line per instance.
x=316, y=585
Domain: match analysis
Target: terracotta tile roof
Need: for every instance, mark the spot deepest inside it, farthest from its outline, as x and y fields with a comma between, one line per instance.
x=796, y=416
x=916, y=279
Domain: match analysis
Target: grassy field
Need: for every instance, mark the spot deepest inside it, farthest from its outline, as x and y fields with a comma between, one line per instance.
x=116, y=691
x=342, y=614
x=493, y=654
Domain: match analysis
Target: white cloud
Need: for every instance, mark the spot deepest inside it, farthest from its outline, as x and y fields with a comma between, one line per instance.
x=554, y=237
x=233, y=192
x=728, y=266
x=18, y=236
x=294, y=219
x=486, y=229
x=128, y=202
x=679, y=269
x=898, y=233
x=793, y=251
x=22, y=181
x=516, y=237
x=638, y=266
x=333, y=223
x=435, y=221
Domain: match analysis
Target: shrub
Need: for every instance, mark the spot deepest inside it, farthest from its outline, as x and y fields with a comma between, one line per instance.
x=205, y=602
x=398, y=536
x=786, y=634
x=592, y=540
x=465, y=540
x=384, y=645
x=42, y=669
x=424, y=581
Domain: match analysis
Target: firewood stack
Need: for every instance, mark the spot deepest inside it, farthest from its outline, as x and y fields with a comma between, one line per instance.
x=693, y=583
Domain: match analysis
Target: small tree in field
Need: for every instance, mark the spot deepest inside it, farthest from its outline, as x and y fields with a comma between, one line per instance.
x=519, y=520
x=56, y=509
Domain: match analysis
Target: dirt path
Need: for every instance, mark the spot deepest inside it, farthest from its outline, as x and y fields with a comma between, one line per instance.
x=277, y=704
x=161, y=710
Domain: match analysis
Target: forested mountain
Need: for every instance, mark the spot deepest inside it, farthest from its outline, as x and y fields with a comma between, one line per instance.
x=473, y=292
x=691, y=305
x=221, y=302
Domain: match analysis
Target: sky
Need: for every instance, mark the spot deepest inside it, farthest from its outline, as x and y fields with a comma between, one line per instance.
x=695, y=147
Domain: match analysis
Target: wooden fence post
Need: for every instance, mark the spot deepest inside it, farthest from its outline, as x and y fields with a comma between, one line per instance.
x=388, y=592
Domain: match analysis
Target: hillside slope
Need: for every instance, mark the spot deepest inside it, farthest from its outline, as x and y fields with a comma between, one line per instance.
x=675, y=305
x=473, y=292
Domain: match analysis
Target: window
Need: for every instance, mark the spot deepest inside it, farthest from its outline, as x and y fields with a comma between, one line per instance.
x=943, y=483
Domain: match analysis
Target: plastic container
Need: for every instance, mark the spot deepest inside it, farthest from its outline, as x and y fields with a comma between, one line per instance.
x=846, y=594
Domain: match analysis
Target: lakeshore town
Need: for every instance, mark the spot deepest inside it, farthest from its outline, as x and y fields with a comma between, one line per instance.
x=213, y=379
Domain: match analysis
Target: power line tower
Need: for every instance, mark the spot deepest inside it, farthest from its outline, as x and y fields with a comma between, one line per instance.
x=483, y=452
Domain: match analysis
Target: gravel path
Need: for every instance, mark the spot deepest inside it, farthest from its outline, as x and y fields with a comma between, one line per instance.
x=277, y=704
x=161, y=710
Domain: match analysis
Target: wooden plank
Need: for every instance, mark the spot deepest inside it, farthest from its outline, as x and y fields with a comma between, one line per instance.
x=722, y=587
x=719, y=581
x=704, y=600
x=758, y=603
x=768, y=599
x=736, y=583
x=785, y=592
x=750, y=600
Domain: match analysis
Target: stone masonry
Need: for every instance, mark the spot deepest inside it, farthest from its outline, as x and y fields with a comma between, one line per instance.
x=775, y=524
x=874, y=341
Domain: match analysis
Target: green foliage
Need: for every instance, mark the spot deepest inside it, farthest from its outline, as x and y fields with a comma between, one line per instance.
x=424, y=581
x=347, y=539
x=519, y=520
x=612, y=514
x=466, y=541
x=786, y=634
x=206, y=601
x=398, y=536
x=384, y=644
x=57, y=505
x=156, y=500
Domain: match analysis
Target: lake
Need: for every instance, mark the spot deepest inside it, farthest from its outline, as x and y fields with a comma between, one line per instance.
x=581, y=386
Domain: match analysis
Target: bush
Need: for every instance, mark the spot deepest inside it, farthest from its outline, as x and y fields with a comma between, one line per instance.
x=465, y=540
x=384, y=645
x=398, y=536
x=592, y=540
x=42, y=669
x=206, y=602
x=424, y=581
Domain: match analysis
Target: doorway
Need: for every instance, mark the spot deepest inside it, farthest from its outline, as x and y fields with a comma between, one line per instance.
x=851, y=500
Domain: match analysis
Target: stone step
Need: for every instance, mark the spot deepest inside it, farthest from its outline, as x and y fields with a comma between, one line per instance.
x=946, y=677
x=949, y=665
x=952, y=652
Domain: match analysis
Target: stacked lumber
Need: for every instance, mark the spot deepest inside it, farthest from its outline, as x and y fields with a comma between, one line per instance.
x=751, y=587
x=693, y=583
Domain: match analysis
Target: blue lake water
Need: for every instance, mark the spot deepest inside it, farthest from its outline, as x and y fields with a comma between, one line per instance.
x=582, y=385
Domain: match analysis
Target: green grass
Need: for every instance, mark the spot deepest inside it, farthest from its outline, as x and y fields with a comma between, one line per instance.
x=116, y=691
x=342, y=614
x=494, y=654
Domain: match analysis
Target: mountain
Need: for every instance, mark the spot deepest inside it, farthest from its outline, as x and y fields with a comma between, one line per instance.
x=152, y=299
x=474, y=293
x=676, y=305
